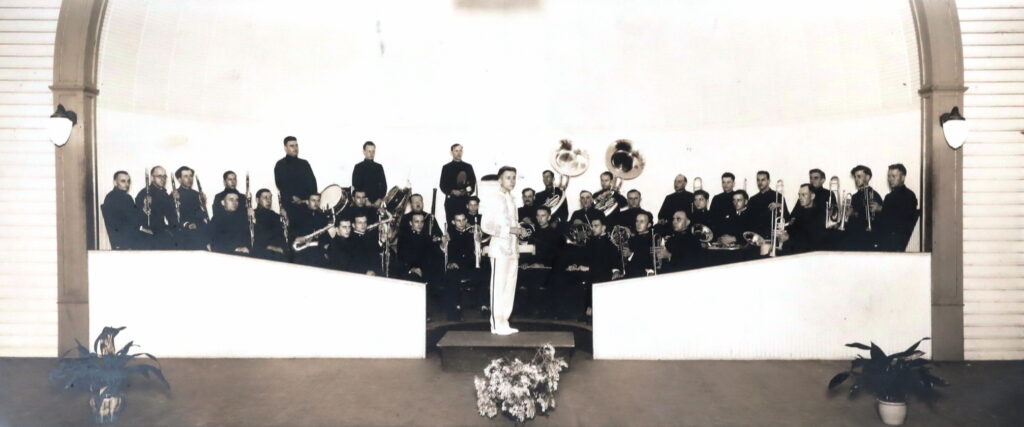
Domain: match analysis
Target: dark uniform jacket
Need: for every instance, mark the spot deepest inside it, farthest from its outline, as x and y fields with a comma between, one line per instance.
x=229, y=231
x=678, y=201
x=305, y=223
x=435, y=230
x=294, y=177
x=822, y=196
x=736, y=223
x=163, y=220
x=897, y=219
x=268, y=231
x=366, y=250
x=620, y=203
x=368, y=176
x=856, y=236
x=563, y=211
x=721, y=206
x=641, y=259
x=685, y=250
x=627, y=218
x=548, y=242
x=807, y=231
x=758, y=207
x=528, y=212
x=449, y=178
x=586, y=215
x=123, y=220
x=193, y=212
x=218, y=208
x=418, y=250
x=602, y=257
x=342, y=254
x=461, y=250
x=702, y=217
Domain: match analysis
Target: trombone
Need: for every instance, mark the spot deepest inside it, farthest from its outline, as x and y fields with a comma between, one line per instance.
x=778, y=218
x=832, y=211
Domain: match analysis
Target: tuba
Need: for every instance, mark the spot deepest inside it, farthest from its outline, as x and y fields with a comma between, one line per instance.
x=567, y=162
x=624, y=162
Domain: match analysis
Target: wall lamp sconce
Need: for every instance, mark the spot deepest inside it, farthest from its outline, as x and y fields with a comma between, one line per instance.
x=954, y=128
x=60, y=124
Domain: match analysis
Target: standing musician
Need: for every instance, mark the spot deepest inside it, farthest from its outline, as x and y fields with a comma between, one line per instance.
x=763, y=203
x=416, y=207
x=682, y=249
x=701, y=214
x=306, y=222
x=366, y=248
x=822, y=195
x=294, y=178
x=587, y=211
x=342, y=253
x=805, y=231
x=535, y=278
x=458, y=182
x=858, y=235
x=527, y=211
x=722, y=203
x=269, y=241
x=738, y=221
x=163, y=220
x=607, y=184
x=125, y=222
x=551, y=193
x=229, y=230
x=639, y=258
x=368, y=176
x=230, y=183
x=627, y=217
x=460, y=270
x=897, y=215
x=192, y=234
x=677, y=201
x=501, y=222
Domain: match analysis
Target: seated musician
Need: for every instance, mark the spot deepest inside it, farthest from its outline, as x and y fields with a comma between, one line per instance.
x=125, y=222
x=737, y=221
x=461, y=268
x=416, y=207
x=526, y=212
x=764, y=203
x=473, y=210
x=533, y=297
x=571, y=274
x=701, y=214
x=639, y=258
x=230, y=183
x=366, y=248
x=682, y=249
x=587, y=211
x=805, y=231
x=308, y=220
x=603, y=257
x=162, y=221
x=229, y=231
x=192, y=209
x=361, y=206
x=627, y=217
x=897, y=215
x=342, y=253
x=269, y=242
x=418, y=255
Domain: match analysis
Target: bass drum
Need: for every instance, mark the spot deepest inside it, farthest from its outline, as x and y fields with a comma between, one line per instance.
x=332, y=197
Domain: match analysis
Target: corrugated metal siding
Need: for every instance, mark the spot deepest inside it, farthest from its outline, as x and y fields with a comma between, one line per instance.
x=993, y=39
x=28, y=248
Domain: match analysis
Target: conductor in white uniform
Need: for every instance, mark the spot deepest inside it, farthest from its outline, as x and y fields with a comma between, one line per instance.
x=499, y=219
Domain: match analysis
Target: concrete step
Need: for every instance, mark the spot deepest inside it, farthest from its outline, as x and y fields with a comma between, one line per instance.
x=469, y=351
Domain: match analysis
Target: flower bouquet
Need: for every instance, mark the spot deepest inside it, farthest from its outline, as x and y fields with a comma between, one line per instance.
x=520, y=390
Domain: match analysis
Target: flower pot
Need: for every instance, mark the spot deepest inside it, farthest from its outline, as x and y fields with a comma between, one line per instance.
x=106, y=406
x=892, y=413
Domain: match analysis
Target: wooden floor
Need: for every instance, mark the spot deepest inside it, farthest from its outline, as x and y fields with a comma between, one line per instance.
x=313, y=392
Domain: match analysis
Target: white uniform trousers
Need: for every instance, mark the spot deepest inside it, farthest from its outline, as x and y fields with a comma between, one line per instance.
x=504, y=273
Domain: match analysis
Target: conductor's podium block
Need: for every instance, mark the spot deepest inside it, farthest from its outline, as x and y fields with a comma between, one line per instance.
x=466, y=351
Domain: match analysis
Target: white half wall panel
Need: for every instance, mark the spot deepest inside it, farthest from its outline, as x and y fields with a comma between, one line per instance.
x=197, y=304
x=795, y=307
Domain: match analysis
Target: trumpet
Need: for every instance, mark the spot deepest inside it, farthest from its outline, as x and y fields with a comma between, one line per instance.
x=567, y=162
x=867, y=206
x=831, y=210
x=778, y=219
x=625, y=163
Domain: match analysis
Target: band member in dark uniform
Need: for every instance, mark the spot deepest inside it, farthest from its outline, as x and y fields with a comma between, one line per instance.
x=366, y=247
x=268, y=231
x=858, y=236
x=342, y=253
x=639, y=258
x=419, y=255
x=735, y=223
x=627, y=217
x=722, y=203
x=230, y=183
x=602, y=255
x=473, y=210
x=822, y=194
x=572, y=276
x=587, y=211
x=679, y=200
x=229, y=231
x=163, y=220
x=461, y=268
x=806, y=229
x=458, y=182
x=192, y=234
x=551, y=193
x=294, y=178
x=682, y=249
x=305, y=223
x=533, y=290
x=368, y=176
x=126, y=223
x=527, y=211
x=607, y=182
x=416, y=207
x=361, y=206
x=897, y=216
x=701, y=214
x=763, y=203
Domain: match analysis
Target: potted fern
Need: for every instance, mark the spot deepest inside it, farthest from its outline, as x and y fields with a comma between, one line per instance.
x=891, y=378
x=104, y=373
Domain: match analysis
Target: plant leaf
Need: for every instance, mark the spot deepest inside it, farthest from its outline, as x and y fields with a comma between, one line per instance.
x=124, y=350
x=838, y=379
x=876, y=352
x=858, y=345
x=145, y=370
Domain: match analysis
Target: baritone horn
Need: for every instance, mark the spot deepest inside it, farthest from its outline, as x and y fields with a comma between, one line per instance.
x=624, y=162
x=567, y=162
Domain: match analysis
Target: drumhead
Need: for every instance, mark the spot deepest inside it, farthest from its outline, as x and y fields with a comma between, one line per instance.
x=331, y=196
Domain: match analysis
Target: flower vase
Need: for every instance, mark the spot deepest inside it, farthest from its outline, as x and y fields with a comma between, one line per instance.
x=106, y=406
x=892, y=413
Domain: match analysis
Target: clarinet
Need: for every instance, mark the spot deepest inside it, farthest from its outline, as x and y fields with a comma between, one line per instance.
x=284, y=218
x=249, y=213
x=177, y=201
x=147, y=206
